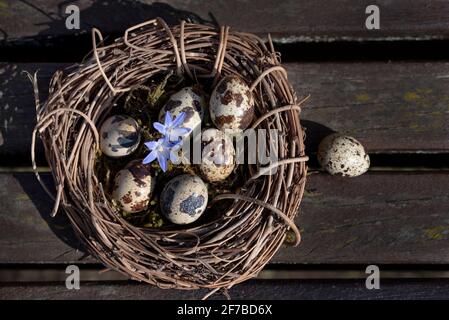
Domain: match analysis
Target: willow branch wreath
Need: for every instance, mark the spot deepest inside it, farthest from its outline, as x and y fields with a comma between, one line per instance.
x=220, y=253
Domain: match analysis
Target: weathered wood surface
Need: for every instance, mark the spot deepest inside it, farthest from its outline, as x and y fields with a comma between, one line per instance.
x=288, y=21
x=390, y=107
x=395, y=107
x=382, y=218
x=252, y=290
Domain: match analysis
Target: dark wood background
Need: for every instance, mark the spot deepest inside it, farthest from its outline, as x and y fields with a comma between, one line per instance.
x=389, y=88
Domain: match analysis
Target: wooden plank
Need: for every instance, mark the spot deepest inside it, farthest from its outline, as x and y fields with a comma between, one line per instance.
x=390, y=107
x=29, y=234
x=375, y=218
x=288, y=21
x=253, y=290
x=381, y=218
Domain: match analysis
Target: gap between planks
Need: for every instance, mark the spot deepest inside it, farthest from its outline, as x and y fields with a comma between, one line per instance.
x=51, y=273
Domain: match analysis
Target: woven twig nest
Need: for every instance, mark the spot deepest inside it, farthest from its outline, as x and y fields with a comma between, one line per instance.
x=223, y=251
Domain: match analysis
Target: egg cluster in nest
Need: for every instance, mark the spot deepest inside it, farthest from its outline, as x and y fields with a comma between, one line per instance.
x=139, y=191
x=148, y=217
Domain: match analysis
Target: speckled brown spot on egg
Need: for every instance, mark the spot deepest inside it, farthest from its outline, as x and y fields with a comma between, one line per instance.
x=139, y=206
x=229, y=97
x=246, y=119
x=127, y=198
x=223, y=120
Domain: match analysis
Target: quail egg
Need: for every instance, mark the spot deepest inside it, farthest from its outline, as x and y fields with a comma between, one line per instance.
x=232, y=105
x=133, y=186
x=184, y=199
x=188, y=100
x=339, y=154
x=218, y=155
x=119, y=136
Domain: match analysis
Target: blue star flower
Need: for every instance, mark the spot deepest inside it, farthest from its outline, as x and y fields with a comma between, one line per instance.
x=167, y=147
x=160, y=150
x=171, y=128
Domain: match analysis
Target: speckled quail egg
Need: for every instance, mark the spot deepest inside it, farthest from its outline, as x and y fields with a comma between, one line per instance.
x=119, y=136
x=232, y=105
x=133, y=186
x=188, y=100
x=218, y=155
x=184, y=199
x=339, y=154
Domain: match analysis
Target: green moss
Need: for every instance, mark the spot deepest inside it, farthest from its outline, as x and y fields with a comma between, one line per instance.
x=3, y=5
x=411, y=96
x=363, y=97
x=290, y=238
x=437, y=233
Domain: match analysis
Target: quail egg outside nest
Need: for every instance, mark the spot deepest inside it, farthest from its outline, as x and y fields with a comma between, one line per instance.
x=184, y=199
x=339, y=154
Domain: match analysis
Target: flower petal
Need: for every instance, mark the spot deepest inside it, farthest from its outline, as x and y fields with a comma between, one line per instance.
x=179, y=119
x=150, y=158
x=159, y=127
x=168, y=119
x=162, y=162
x=165, y=153
x=152, y=144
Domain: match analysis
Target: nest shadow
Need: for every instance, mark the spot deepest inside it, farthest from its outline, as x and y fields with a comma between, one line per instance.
x=60, y=224
x=315, y=132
